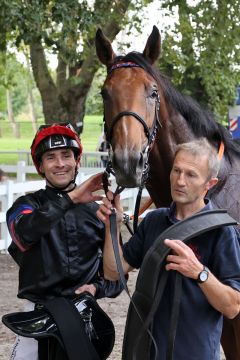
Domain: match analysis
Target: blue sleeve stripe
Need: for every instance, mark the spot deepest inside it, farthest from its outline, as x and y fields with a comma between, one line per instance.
x=20, y=210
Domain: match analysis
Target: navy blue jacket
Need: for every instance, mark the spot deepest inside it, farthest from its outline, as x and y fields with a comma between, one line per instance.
x=199, y=325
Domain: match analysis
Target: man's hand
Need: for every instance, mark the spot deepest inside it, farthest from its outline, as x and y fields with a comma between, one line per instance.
x=182, y=259
x=84, y=192
x=89, y=288
x=105, y=208
x=222, y=297
x=109, y=262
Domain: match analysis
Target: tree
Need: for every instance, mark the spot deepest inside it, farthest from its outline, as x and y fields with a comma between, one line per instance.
x=16, y=86
x=13, y=86
x=202, y=53
x=66, y=28
x=94, y=103
x=30, y=87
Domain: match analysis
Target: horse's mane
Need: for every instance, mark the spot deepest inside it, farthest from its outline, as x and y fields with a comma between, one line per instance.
x=202, y=122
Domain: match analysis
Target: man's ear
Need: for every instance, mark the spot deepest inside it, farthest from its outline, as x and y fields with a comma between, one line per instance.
x=78, y=161
x=41, y=171
x=212, y=182
x=41, y=168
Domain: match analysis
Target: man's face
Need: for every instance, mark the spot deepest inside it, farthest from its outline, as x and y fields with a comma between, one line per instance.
x=189, y=178
x=58, y=166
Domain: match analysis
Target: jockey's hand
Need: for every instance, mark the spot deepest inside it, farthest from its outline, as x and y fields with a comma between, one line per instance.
x=84, y=192
x=106, y=207
x=87, y=287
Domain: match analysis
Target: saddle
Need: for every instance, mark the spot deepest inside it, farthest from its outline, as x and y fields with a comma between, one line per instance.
x=80, y=325
x=151, y=282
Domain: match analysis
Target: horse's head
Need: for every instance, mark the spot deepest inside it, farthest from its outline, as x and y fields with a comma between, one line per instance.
x=131, y=104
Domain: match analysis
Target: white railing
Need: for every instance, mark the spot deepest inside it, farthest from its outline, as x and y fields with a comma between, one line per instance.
x=10, y=190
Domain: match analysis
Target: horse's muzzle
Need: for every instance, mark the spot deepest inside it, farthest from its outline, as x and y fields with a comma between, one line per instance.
x=128, y=168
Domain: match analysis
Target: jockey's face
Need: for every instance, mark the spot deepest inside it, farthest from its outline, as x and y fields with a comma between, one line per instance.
x=58, y=166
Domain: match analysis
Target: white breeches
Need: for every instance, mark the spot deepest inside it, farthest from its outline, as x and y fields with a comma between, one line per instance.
x=25, y=348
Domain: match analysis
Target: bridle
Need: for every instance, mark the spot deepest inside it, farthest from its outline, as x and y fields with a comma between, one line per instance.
x=149, y=132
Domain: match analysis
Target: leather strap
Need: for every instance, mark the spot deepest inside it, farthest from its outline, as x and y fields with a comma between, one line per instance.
x=174, y=315
x=114, y=236
x=72, y=329
x=152, y=279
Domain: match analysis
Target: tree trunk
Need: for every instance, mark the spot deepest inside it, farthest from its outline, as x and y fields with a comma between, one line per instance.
x=65, y=100
x=32, y=111
x=53, y=109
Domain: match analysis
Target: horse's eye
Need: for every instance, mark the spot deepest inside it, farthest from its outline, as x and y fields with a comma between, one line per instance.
x=154, y=94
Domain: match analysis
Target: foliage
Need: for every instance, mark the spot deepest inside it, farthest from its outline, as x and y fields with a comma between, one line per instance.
x=12, y=78
x=15, y=77
x=66, y=28
x=202, y=53
x=94, y=103
x=2, y=102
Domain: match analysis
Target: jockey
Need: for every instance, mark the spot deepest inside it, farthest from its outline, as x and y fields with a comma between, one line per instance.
x=57, y=240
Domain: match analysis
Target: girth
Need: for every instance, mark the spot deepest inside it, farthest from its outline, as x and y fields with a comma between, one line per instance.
x=151, y=282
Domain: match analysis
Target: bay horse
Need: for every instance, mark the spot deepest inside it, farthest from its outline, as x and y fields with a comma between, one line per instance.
x=145, y=118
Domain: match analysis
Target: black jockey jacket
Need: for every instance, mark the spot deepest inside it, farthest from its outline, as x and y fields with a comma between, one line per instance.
x=57, y=245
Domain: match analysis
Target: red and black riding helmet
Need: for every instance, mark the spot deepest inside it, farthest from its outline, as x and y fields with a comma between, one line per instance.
x=55, y=136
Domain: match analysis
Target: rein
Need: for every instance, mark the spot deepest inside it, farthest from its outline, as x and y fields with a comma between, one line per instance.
x=114, y=236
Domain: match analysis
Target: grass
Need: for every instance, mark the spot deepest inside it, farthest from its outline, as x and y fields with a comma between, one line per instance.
x=89, y=137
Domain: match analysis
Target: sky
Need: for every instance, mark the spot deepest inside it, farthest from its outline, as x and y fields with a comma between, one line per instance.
x=154, y=16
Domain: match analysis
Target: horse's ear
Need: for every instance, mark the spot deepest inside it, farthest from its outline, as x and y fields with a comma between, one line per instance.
x=153, y=46
x=104, y=49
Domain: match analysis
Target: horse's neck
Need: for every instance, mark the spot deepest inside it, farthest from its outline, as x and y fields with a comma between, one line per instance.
x=174, y=131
